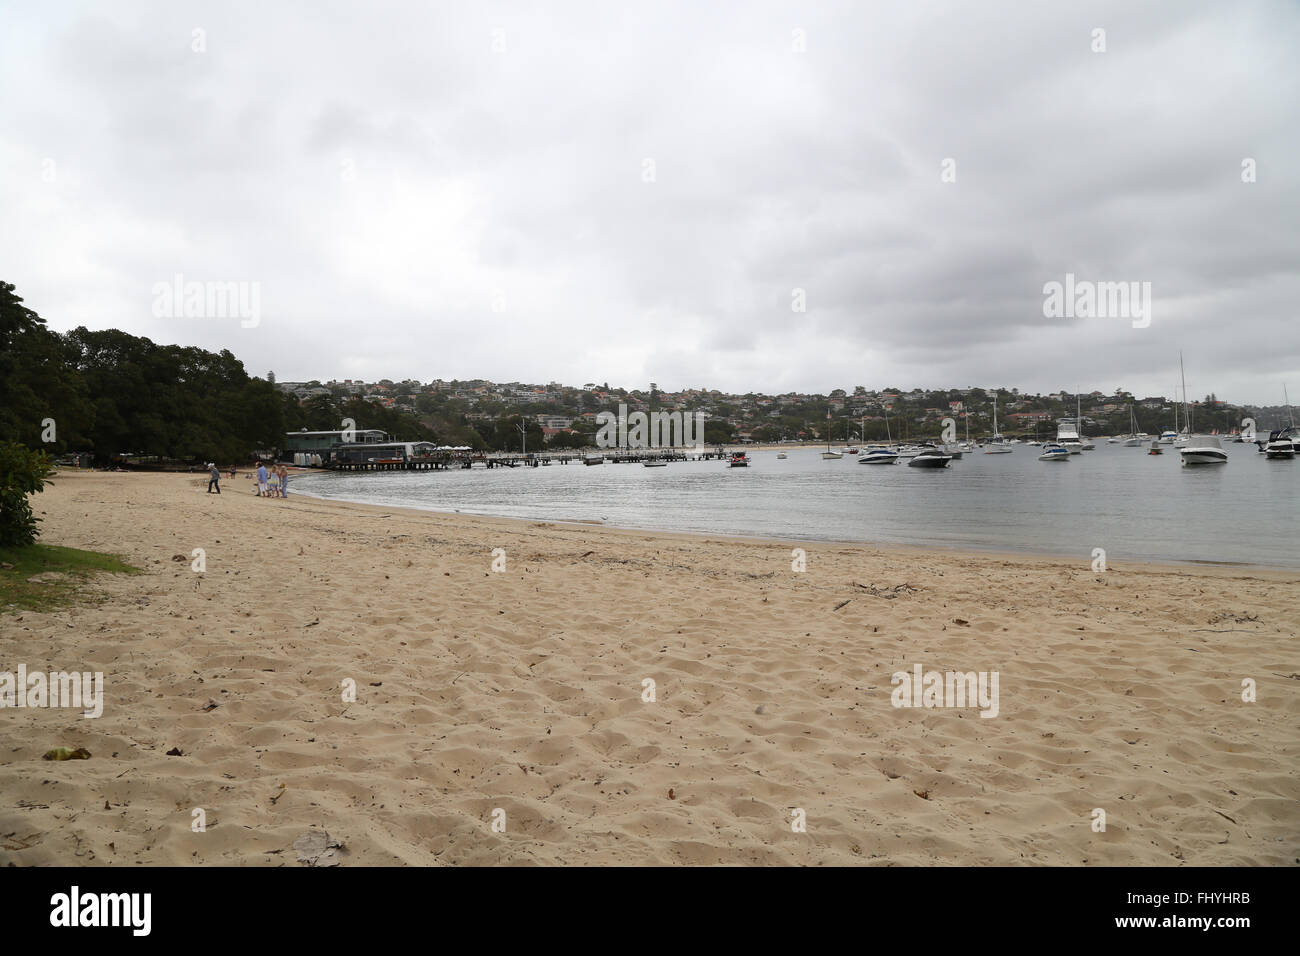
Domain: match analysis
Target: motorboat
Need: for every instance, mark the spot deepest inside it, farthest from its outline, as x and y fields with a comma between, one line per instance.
x=1155, y=448
x=781, y=455
x=654, y=463
x=879, y=455
x=593, y=460
x=1054, y=452
x=1167, y=437
x=739, y=460
x=1282, y=443
x=1204, y=450
x=930, y=458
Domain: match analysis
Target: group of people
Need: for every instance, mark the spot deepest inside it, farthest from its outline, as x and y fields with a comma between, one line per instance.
x=272, y=482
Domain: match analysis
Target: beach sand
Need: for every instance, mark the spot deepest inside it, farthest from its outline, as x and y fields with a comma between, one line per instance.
x=522, y=690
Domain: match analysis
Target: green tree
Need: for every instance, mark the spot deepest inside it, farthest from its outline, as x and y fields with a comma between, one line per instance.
x=38, y=386
x=22, y=473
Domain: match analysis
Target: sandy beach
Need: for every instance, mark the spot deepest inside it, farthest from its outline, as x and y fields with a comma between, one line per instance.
x=522, y=691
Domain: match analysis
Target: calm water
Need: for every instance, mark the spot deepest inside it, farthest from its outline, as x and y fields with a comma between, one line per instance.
x=1135, y=505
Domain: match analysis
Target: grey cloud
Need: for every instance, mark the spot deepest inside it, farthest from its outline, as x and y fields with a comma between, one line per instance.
x=383, y=173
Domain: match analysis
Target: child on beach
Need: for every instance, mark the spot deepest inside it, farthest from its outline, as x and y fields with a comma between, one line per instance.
x=284, y=482
x=273, y=484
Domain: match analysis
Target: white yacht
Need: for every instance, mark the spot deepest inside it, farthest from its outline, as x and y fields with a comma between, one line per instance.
x=829, y=454
x=1184, y=437
x=879, y=455
x=1282, y=443
x=1054, y=452
x=1134, y=437
x=1067, y=436
x=1204, y=450
x=997, y=445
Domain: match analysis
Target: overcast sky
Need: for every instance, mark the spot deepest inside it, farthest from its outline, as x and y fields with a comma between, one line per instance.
x=462, y=190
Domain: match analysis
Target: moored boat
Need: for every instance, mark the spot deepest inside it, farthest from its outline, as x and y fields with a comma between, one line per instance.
x=997, y=445
x=1067, y=435
x=879, y=456
x=1204, y=450
x=930, y=458
x=1054, y=452
x=1282, y=443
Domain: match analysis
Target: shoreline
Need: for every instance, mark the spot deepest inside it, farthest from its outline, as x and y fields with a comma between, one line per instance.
x=524, y=691
x=1282, y=573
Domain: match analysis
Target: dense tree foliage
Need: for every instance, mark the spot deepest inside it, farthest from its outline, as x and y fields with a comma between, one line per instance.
x=116, y=394
x=38, y=386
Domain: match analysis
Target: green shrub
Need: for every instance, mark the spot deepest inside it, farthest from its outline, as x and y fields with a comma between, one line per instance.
x=22, y=473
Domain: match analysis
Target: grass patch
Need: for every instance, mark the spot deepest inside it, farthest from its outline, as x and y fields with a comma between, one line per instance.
x=72, y=566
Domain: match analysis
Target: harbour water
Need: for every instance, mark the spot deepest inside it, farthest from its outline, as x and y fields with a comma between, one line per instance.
x=1133, y=505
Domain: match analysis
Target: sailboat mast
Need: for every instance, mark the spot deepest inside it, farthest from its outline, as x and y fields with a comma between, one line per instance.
x=1187, y=408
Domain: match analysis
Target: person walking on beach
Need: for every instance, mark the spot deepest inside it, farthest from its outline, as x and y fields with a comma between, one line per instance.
x=215, y=479
x=261, y=481
x=284, y=481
